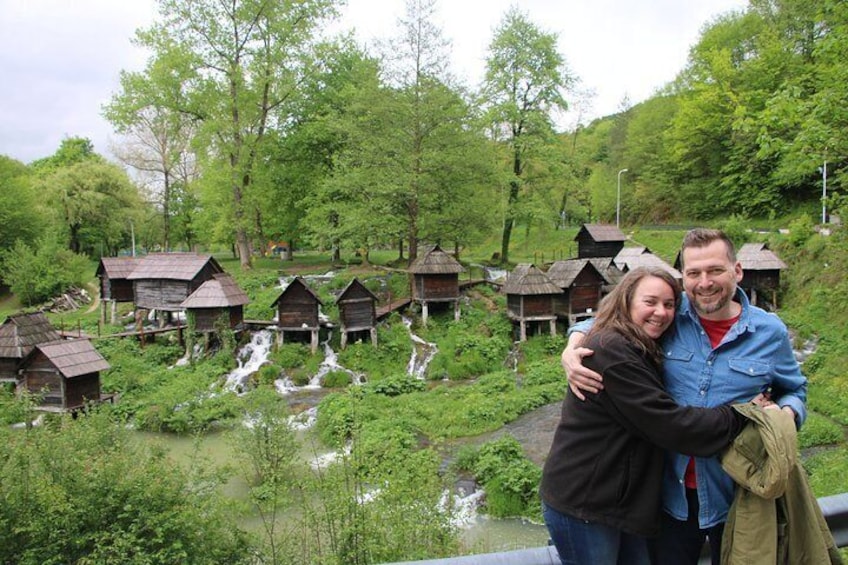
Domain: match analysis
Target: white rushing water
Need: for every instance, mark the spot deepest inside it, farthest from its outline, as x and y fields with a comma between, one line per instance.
x=422, y=353
x=250, y=358
x=330, y=364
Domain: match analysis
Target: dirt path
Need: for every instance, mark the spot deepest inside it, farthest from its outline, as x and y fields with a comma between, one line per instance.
x=95, y=297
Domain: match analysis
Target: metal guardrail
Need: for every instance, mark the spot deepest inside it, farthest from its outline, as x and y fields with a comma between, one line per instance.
x=834, y=508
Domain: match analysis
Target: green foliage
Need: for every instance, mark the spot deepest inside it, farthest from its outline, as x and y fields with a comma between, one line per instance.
x=37, y=274
x=801, y=229
x=818, y=430
x=158, y=396
x=736, y=228
x=828, y=471
x=539, y=347
x=510, y=479
x=263, y=287
x=290, y=355
x=544, y=372
x=22, y=217
x=524, y=84
x=268, y=374
x=474, y=345
x=395, y=385
x=269, y=456
x=386, y=515
x=82, y=491
x=389, y=358
x=335, y=379
x=337, y=417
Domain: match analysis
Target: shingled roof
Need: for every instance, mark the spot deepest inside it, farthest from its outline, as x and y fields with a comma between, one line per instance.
x=563, y=273
x=73, y=357
x=295, y=282
x=21, y=332
x=355, y=285
x=650, y=260
x=629, y=254
x=172, y=266
x=435, y=262
x=603, y=232
x=758, y=257
x=221, y=291
x=526, y=279
x=117, y=267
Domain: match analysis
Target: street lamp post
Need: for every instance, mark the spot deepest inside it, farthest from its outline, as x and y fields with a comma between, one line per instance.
x=824, y=193
x=618, y=199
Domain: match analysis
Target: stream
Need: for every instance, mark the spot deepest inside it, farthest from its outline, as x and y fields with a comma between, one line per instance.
x=478, y=532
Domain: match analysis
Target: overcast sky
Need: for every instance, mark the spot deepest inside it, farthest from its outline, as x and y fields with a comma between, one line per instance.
x=60, y=59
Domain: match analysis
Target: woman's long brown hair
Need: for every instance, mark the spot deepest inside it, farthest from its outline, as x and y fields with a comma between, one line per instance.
x=614, y=311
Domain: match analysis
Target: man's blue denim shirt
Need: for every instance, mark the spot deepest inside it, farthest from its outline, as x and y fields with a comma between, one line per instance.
x=756, y=355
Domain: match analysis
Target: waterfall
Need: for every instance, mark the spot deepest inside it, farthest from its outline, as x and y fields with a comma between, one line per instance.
x=250, y=358
x=808, y=348
x=303, y=421
x=196, y=351
x=491, y=274
x=331, y=363
x=511, y=361
x=422, y=353
x=464, y=507
x=326, y=459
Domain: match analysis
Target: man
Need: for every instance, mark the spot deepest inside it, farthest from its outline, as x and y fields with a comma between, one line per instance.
x=720, y=350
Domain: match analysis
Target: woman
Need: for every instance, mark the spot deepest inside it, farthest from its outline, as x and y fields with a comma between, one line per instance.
x=600, y=485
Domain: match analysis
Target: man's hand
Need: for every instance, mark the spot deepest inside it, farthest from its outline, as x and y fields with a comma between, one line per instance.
x=580, y=379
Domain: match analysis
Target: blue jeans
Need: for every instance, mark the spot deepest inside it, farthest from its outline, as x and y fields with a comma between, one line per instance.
x=583, y=543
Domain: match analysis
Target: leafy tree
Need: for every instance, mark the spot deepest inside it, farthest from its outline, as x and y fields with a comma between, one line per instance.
x=247, y=62
x=410, y=153
x=21, y=213
x=432, y=126
x=301, y=202
x=158, y=139
x=523, y=86
x=71, y=151
x=39, y=272
x=269, y=453
x=91, y=200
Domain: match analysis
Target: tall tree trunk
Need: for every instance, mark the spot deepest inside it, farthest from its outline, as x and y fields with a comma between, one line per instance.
x=242, y=241
x=166, y=212
x=400, y=249
x=509, y=217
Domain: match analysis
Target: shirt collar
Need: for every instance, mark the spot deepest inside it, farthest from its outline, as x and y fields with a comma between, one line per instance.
x=744, y=322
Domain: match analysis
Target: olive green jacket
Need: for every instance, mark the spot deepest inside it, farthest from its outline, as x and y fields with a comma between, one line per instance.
x=774, y=518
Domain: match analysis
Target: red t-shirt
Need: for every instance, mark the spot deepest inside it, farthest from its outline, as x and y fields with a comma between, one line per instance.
x=716, y=330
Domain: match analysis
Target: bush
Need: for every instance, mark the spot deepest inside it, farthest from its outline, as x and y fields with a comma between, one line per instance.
x=800, y=230
x=84, y=491
x=36, y=275
x=268, y=374
x=336, y=418
x=396, y=385
x=290, y=355
x=509, y=478
x=544, y=372
x=335, y=379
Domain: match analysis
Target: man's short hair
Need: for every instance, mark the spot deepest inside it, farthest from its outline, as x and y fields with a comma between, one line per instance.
x=702, y=237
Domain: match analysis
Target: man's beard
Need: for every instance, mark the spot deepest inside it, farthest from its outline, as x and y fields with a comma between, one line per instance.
x=712, y=307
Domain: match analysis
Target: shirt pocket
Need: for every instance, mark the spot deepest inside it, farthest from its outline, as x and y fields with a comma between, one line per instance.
x=758, y=372
x=678, y=354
